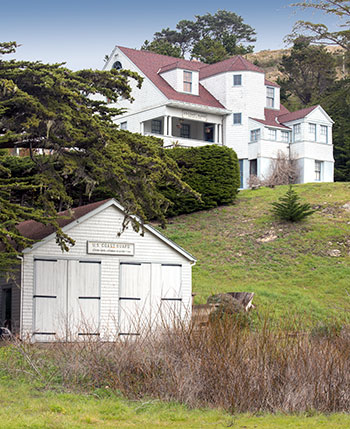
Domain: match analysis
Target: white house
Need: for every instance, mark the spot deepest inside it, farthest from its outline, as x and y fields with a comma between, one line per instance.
x=107, y=285
x=228, y=103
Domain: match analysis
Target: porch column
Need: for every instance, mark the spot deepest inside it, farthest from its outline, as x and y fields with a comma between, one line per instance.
x=142, y=128
x=170, y=126
x=165, y=122
x=217, y=133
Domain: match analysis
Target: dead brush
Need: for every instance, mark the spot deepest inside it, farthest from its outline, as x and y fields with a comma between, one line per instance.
x=269, y=369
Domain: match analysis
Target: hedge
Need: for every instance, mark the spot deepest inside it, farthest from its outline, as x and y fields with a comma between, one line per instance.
x=213, y=171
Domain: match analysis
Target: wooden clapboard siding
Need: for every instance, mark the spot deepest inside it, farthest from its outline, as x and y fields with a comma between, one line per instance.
x=105, y=226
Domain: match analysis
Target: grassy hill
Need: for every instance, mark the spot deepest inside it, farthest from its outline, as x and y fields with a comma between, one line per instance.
x=299, y=268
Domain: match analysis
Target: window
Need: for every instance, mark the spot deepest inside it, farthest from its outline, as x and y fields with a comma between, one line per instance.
x=297, y=132
x=324, y=133
x=237, y=118
x=117, y=65
x=156, y=126
x=318, y=168
x=187, y=81
x=185, y=131
x=253, y=167
x=270, y=97
x=237, y=80
x=285, y=136
x=255, y=135
x=271, y=134
x=124, y=126
x=312, y=131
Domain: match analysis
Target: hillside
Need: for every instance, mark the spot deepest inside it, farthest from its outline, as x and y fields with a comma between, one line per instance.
x=269, y=60
x=302, y=268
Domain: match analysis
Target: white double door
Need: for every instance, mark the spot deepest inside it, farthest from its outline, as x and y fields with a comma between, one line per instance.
x=66, y=299
x=150, y=296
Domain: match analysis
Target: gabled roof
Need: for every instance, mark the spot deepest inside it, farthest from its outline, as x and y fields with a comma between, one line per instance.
x=38, y=231
x=150, y=63
x=272, y=118
x=299, y=114
x=270, y=83
x=182, y=64
x=237, y=63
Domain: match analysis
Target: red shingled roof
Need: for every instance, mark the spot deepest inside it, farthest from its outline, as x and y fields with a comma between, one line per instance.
x=182, y=64
x=293, y=116
x=150, y=64
x=237, y=63
x=269, y=83
x=272, y=117
x=37, y=231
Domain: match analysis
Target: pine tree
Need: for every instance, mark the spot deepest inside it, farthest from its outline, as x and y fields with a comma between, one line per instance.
x=63, y=120
x=289, y=207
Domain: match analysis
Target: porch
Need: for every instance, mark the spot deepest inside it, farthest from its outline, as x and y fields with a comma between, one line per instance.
x=183, y=131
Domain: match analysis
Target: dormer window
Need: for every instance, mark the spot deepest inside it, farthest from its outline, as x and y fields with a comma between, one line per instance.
x=270, y=96
x=187, y=81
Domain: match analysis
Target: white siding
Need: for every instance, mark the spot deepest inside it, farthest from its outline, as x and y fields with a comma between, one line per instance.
x=105, y=226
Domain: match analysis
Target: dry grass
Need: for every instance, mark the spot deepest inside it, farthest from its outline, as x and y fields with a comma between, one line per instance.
x=229, y=365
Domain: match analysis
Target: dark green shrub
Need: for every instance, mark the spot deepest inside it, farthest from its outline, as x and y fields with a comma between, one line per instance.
x=212, y=171
x=289, y=208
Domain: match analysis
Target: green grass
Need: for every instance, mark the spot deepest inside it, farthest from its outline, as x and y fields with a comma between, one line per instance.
x=24, y=405
x=292, y=272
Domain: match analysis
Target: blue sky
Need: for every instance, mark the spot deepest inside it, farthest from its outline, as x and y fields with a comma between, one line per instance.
x=81, y=32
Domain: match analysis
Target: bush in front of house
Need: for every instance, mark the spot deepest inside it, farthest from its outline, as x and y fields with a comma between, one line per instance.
x=212, y=171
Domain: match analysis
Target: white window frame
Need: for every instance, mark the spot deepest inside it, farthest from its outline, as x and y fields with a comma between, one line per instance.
x=270, y=97
x=255, y=135
x=240, y=80
x=324, y=131
x=312, y=131
x=287, y=134
x=272, y=134
x=236, y=116
x=318, y=170
x=187, y=80
x=124, y=125
x=297, y=132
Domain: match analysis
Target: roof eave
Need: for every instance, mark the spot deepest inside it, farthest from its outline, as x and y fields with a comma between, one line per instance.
x=109, y=203
x=198, y=107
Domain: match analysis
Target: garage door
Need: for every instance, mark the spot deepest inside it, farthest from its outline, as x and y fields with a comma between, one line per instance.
x=134, y=298
x=150, y=295
x=66, y=299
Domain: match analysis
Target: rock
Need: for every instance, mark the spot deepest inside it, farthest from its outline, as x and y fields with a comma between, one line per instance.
x=346, y=207
x=334, y=252
x=271, y=236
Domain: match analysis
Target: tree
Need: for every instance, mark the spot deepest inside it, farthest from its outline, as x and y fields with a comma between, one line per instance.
x=226, y=30
x=320, y=33
x=337, y=104
x=162, y=47
x=62, y=118
x=289, y=207
x=309, y=70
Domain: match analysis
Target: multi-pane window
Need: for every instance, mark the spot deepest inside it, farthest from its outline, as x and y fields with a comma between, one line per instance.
x=237, y=118
x=185, y=131
x=297, y=132
x=187, y=81
x=318, y=167
x=324, y=133
x=285, y=136
x=270, y=97
x=124, y=126
x=156, y=126
x=255, y=135
x=312, y=131
x=271, y=134
x=237, y=80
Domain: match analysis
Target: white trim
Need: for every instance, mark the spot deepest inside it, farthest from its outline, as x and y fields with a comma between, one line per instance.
x=113, y=202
